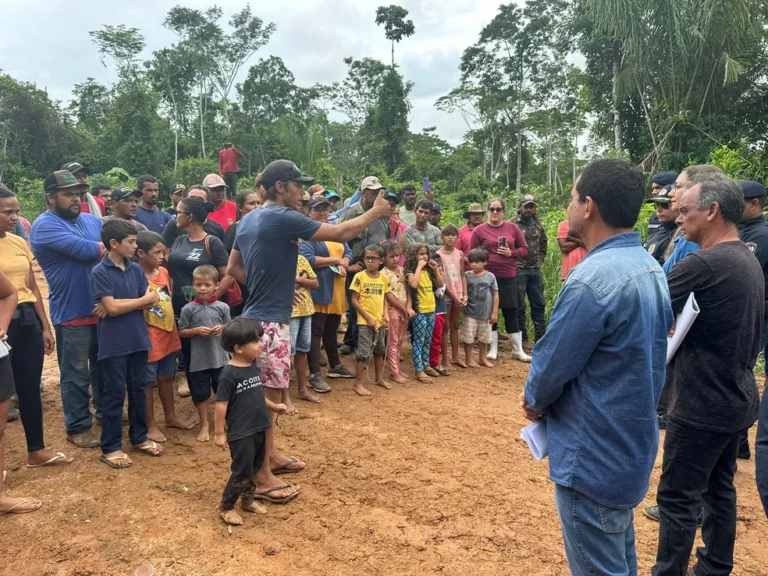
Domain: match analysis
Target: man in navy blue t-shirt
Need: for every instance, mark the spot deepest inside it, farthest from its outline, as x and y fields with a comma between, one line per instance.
x=147, y=212
x=264, y=257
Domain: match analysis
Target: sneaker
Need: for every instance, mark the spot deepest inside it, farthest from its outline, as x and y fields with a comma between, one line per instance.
x=662, y=421
x=84, y=439
x=340, y=371
x=318, y=384
x=652, y=513
x=346, y=350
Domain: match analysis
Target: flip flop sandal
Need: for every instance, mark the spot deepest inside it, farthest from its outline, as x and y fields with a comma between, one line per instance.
x=286, y=469
x=14, y=509
x=57, y=460
x=424, y=379
x=112, y=461
x=431, y=371
x=442, y=371
x=266, y=495
x=150, y=449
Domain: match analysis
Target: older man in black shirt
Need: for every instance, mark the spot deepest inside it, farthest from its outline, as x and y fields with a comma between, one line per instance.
x=713, y=394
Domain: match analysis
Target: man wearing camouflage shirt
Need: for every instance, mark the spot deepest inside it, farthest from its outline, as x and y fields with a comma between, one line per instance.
x=530, y=278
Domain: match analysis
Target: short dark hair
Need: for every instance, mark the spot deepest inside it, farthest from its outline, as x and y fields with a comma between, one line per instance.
x=478, y=255
x=96, y=188
x=449, y=230
x=6, y=192
x=616, y=187
x=242, y=196
x=389, y=247
x=241, y=331
x=206, y=271
x=409, y=188
x=185, y=193
x=116, y=229
x=146, y=240
x=271, y=192
x=720, y=189
x=143, y=180
x=375, y=248
x=424, y=205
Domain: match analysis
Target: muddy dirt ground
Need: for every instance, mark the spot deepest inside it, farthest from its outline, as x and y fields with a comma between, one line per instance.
x=423, y=479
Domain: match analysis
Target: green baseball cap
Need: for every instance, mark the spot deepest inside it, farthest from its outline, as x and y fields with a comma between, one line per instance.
x=60, y=180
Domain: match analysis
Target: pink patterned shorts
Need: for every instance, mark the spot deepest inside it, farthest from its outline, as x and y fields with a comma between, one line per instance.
x=275, y=359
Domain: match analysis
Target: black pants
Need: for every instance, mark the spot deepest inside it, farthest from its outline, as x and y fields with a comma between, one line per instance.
x=530, y=283
x=25, y=336
x=324, y=327
x=510, y=320
x=247, y=457
x=698, y=468
x=508, y=295
x=350, y=336
x=201, y=383
x=230, y=179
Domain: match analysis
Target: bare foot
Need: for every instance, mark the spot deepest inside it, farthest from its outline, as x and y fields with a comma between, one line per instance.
x=422, y=377
x=230, y=517
x=253, y=507
x=195, y=420
x=472, y=364
x=291, y=409
x=178, y=423
x=309, y=396
x=486, y=363
x=398, y=378
x=155, y=434
x=203, y=435
x=360, y=389
x=459, y=363
x=384, y=384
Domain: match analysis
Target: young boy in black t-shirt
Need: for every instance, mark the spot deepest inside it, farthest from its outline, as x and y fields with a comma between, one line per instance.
x=240, y=403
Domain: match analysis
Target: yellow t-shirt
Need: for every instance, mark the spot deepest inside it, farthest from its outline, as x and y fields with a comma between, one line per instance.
x=372, y=292
x=15, y=258
x=425, y=293
x=305, y=307
x=338, y=305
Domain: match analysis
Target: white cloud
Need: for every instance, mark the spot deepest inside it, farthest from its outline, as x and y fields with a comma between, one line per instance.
x=313, y=37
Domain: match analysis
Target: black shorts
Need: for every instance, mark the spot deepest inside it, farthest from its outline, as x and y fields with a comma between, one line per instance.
x=7, y=386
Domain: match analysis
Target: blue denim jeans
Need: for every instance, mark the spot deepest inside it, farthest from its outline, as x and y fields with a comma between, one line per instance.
x=77, y=351
x=121, y=374
x=598, y=540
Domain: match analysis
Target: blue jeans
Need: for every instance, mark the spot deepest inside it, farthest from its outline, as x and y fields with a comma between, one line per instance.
x=121, y=374
x=598, y=540
x=77, y=351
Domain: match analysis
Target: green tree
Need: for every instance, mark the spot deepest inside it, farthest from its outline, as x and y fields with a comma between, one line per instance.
x=357, y=93
x=396, y=27
x=386, y=127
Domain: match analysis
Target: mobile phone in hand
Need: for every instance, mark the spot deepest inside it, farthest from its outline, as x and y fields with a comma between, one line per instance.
x=425, y=185
x=502, y=241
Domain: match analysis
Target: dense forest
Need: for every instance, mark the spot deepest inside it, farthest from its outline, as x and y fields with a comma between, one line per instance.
x=664, y=83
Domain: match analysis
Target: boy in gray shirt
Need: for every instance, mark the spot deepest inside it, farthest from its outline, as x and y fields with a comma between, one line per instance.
x=202, y=321
x=482, y=307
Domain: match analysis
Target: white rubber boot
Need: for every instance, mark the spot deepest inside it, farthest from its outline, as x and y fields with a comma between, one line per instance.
x=518, y=353
x=493, y=353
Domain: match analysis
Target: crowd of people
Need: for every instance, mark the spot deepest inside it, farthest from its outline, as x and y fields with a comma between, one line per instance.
x=238, y=294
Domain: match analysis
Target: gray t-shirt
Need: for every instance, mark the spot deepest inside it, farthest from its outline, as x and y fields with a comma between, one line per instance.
x=429, y=236
x=408, y=216
x=207, y=352
x=480, y=291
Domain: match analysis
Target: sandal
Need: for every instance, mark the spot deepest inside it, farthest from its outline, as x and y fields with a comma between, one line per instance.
x=153, y=449
x=115, y=461
x=424, y=379
x=442, y=371
x=33, y=505
x=266, y=495
x=429, y=371
x=287, y=469
x=57, y=460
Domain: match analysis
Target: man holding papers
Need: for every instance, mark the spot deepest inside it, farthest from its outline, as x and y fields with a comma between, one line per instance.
x=597, y=374
x=713, y=395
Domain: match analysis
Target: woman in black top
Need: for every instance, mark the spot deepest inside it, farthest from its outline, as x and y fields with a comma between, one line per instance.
x=246, y=201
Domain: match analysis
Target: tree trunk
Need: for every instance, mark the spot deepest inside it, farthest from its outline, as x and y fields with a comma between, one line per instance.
x=175, y=149
x=618, y=143
x=519, y=179
x=393, y=54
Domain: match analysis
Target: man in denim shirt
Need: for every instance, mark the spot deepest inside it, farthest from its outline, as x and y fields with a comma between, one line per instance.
x=597, y=374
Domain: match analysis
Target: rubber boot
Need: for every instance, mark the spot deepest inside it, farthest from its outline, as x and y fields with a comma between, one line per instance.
x=516, y=340
x=493, y=353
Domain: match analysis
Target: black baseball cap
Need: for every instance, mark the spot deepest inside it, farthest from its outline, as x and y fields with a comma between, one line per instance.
x=122, y=192
x=436, y=208
x=283, y=171
x=73, y=167
x=318, y=201
x=664, y=178
x=662, y=197
x=391, y=195
x=752, y=189
x=60, y=180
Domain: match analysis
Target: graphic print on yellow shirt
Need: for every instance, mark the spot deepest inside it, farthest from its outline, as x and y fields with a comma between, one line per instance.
x=305, y=307
x=371, y=293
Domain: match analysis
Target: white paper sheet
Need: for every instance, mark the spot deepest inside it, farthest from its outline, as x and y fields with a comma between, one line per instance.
x=535, y=435
x=683, y=324
x=5, y=348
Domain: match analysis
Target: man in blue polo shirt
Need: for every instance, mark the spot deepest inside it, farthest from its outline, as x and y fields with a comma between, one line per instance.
x=67, y=244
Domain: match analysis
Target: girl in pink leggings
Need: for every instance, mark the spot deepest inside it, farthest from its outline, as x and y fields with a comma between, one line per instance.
x=398, y=317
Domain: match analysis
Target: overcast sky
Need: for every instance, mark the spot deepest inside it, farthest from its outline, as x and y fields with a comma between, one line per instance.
x=49, y=44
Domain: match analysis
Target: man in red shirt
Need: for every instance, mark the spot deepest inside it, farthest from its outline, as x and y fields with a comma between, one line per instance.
x=224, y=211
x=228, y=167
x=89, y=204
